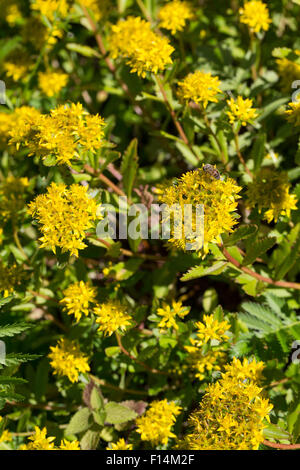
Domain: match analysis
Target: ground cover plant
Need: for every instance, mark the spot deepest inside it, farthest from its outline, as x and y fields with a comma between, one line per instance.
x=120, y=329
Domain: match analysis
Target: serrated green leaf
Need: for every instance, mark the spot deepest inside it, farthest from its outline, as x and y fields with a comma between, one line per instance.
x=258, y=248
x=241, y=233
x=200, y=271
x=80, y=421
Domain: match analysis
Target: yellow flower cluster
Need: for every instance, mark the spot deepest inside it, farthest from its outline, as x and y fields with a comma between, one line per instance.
x=144, y=50
x=20, y=124
x=12, y=196
x=270, y=190
x=219, y=199
x=255, y=14
x=119, y=445
x=40, y=441
x=241, y=110
x=232, y=413
x=289, y=71
x=156, y=424
x=293, y=114
x=51, y=8
x=51, y=83
x=200, y=87
x=67, y=360
x=64, y=214
x=174, y=15
x=112, y=316
x=5, y=126
x=77, y=299
x=203, y=363
x=169, y=314
x=63, y=134
x=10, y=11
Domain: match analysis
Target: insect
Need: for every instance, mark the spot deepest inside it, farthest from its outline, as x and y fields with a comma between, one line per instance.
x=212, y=171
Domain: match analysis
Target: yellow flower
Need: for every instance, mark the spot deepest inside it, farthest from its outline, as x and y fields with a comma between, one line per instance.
x=64, y=214
x=156, y=424
x=12, y=13
x=211, y=329
x=144, y=50
x=50, y=83
x=231, y=414
x=5, y=436
x=245, y=370
x=174, y=15
x=112, y=316
x=241, y=110
x=218, y=198
x=68, y=360
x=40, y=441
x=12, y=196
x=6, y=123
x=255, y=14
x=65, y=134
x=169, y=314
x=200, y=87
x=51, y=8
x=270, y=190
x=67, y=445
x=294, y=113
x=77, y=299
x=119, y=445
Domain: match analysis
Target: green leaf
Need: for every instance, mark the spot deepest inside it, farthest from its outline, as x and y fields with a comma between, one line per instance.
x=276, y=433
x=80, y=422
x=96, y=399
x=200, y=271
x=187, y=154
x=241, y=233
x=90, y=440
x=117, y=414
x=86, y=51
x=129, y=166
x=258, y=248
x=13, y=329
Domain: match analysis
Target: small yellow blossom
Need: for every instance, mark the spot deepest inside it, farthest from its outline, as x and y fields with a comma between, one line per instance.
x=12, y=12
x=145, y=51
x=241, y=110
x=174, y=15
x=270, y=190
x=68, y=360
x=255, y=14
x=17, y=65
x=202, y=363
x=200, y=87
x=219, y=200
x=68, y=445
x=77, y=299
x=22, y=120
x=156, y=424
x=169, y=314
x=39, y=441
x=64, y=215
x=211, y=329
x=119, y=445
x=51, y=83
x=112, y=316
x=5, y=436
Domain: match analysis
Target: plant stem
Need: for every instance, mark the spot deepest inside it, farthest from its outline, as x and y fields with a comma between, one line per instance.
x=259, y=277
x=281, y=446
x=239, y=154
x=177, y=124
x=105, y=384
